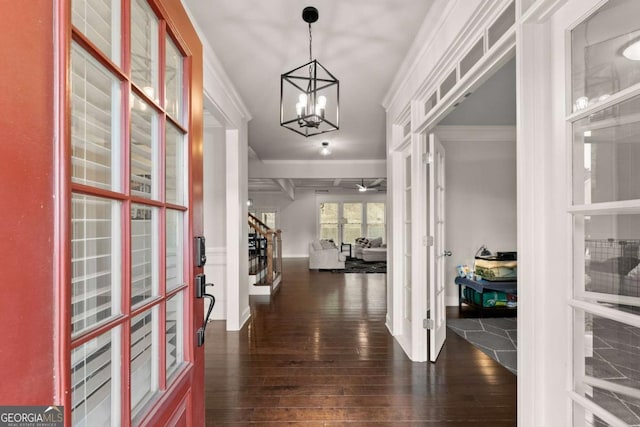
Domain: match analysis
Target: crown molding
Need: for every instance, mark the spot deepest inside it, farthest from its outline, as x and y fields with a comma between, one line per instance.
x=419, y=48
x=214, y=69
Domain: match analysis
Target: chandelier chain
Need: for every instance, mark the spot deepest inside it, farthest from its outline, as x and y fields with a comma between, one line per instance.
x=310, y=41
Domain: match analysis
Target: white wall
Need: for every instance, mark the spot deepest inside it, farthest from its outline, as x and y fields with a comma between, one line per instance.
x=480, y=200
x=215, y=217
x=298, y=219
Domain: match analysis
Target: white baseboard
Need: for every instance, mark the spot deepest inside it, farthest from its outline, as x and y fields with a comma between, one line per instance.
x=259, y=290
x=245, y=317
x=451, y=301
x=295, y=256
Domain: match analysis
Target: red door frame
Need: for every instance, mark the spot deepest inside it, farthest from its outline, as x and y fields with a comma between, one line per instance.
x=27, y=231
x=35, y=194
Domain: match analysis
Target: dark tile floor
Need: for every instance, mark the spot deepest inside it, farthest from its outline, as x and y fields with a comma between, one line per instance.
x=497, y=338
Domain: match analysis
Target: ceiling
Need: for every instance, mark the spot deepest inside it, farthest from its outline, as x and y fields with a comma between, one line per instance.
x=492, y=104
x=361, y=42
x=332, y=185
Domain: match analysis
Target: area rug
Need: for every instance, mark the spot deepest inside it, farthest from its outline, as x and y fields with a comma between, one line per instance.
x=497, y=338
x=355, y=265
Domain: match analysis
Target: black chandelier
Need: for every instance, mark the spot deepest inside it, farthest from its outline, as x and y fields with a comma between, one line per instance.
x=309, y=94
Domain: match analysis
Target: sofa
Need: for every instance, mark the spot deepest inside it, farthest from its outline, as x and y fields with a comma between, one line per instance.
x=325, y=255
x=376, y=250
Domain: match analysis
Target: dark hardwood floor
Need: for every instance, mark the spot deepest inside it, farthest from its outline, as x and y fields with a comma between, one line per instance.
x=319, y=354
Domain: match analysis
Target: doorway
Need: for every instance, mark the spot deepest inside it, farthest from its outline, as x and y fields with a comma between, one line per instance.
x=481, y=217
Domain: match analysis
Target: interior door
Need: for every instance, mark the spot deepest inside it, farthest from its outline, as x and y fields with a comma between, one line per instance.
x=437, y=253
x=407, y=292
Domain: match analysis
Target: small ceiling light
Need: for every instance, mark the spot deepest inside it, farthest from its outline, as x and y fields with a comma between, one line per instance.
x=250, y=202
x=309, y=94
x=325, y=150
x=361, y=187
x=587, y=133
x=632, y=52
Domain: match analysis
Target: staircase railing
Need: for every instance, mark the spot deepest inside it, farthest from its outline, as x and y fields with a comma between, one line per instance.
x=265, y=253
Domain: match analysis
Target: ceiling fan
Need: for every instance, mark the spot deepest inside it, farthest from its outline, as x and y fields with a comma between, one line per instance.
x=362, y=187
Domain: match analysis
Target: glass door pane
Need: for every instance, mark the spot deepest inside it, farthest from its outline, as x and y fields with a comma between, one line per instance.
x=99, y=21
x=144, y=253
x=605, y=53
x=95, y=130
x=144, y=360
x=606, y=153
x=144, y=150
x=174, y=249
x=95, y=247
x=174, y=334
x=174, y=165
x=173, y=85
x=95, y=378
x=144, y=48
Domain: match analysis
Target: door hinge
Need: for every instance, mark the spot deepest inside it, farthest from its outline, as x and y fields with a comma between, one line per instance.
x=428, y=324
x=427, y=158
x=427, y=240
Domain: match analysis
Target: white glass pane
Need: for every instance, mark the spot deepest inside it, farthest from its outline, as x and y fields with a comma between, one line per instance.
x=144, y=149
x=448, y=83
x=376, y=220
x=95, y=126
x=144, y=48
x=606, y=154
x=352, y=228
x=605, y=52
x=586, y=418
x=144, y=361
x=174, y=333
x=95, y=378
x=95, y=262
x=431, y=102
x=407, y=205
x=502, y=24
x=407, y=172
x=611, y=353
x=329, y=232
x=329, y=221
x=406, y=129
x=173, y=81
x=174, y=165
x=269, y=219
x=99, y=21
x=175, y=249
x=144, y=253
x=611, y=254
x=526, y=4
x=471, y=58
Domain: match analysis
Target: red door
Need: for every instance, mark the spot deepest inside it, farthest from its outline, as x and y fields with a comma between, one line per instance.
x=102, y=250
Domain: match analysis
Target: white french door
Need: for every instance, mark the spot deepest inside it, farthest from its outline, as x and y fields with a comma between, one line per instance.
x=407, y=260
x=437, y=253
x=603, y=121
